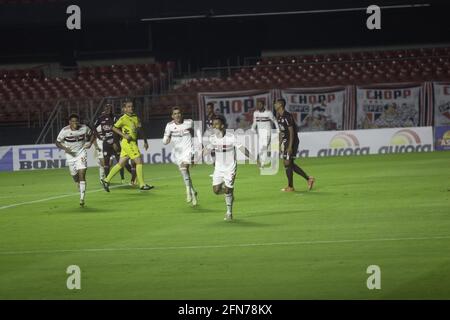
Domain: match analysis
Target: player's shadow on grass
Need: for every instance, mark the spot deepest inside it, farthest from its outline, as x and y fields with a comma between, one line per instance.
x=312, y=193
x=85, y=210
x=241, y=222
x=274, y=213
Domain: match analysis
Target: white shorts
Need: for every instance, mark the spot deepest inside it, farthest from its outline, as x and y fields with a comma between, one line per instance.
x=99, y=152
x=77, y=163
x=224, y=176
x=182, y=158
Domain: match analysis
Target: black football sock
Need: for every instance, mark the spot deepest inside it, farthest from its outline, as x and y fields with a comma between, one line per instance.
x=289, y=175
x=299, y=171
x=106, y=167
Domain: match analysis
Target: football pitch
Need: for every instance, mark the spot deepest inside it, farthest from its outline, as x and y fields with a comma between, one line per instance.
x=392, y=211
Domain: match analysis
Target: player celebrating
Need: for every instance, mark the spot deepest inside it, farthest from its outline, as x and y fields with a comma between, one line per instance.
x=289, y=145
x=106, y=140
x=224, y=144
x=75, y=139
x=128, y=127
x=262, y=124
x=180, y=132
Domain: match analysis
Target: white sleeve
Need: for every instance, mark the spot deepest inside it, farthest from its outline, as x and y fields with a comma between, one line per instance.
x=61, y=136
x=254, y=122
x=166, y=138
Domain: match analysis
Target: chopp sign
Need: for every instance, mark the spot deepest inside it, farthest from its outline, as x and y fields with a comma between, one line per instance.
x=38, y=157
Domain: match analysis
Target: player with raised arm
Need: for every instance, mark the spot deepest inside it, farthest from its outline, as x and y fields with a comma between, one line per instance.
x=129, y=127
x=289, y=145
x=180, y=132
x=75, y=139
x=262, y=125
x=224, y=144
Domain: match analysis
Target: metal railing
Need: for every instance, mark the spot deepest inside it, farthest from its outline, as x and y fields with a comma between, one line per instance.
x=147, y=107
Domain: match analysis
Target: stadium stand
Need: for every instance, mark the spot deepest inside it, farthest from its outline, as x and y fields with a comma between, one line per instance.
x=356, y=68
x=28, y=95
x=318, y=70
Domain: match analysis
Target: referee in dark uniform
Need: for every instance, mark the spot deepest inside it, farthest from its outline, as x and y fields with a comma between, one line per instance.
x=289, y=145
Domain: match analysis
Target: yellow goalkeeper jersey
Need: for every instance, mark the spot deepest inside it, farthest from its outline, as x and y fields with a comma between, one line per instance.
x=129, y=124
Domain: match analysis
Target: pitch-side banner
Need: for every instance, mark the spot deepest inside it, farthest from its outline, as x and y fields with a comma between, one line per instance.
x=312, y=144
x=318, y=109
x=237, y=107
x=441, y=104
x=48, y=156
x=364, y=142
x=442, y=138
x=390, y=106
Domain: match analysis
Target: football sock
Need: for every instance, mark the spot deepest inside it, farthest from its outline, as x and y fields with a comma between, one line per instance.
x=140, y=175
x=128, y=167
x=82, y=189
x=101, y=171
x=133, y=173
x=299, y=171
x=113, y=172
x=289, y=175
x=122, y=173
x=229, y=202
x=186, y=178
x=106, y=170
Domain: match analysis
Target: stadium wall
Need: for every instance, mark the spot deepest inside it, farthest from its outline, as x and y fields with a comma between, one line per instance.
x=312, y=144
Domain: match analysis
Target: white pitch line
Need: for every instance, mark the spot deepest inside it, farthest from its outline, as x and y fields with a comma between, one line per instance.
x=70, y=195
x=293, y=243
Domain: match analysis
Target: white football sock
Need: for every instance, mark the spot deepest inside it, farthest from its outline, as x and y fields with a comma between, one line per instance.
x=187, y=179
x=229, y=202
x=101, y=171
x=82, y=189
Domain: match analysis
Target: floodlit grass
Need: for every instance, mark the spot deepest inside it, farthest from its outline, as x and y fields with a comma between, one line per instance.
x=392, y=211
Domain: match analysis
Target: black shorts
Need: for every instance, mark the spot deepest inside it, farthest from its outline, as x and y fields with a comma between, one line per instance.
x=108, y=150
x=284, y=154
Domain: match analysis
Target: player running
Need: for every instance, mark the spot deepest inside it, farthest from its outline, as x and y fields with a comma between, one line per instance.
x=262, y=124
x=75, y=139
x=107, y=142
x=289, y=145
x=98, y=142
x=128, y=127
x=224, y=144
x=180, y=132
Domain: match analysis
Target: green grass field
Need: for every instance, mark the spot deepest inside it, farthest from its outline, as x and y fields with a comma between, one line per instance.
x=392, y=211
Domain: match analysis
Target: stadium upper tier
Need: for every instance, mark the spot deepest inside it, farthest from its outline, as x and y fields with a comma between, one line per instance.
x=25, y=93
x=355, y=68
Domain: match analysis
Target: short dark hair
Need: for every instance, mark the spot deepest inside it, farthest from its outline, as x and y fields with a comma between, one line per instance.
x=176, y=108
x=74, y=115
x=222, y=120
x=283, y=101
x=210, y=104
x=127, y=100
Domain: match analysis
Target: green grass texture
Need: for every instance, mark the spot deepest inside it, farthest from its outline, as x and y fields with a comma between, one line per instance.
x=392, y=211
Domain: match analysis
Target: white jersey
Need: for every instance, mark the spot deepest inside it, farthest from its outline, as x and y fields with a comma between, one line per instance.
x=262, y=121
x=225, y=150
x=74, y=140
x=180, y=135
